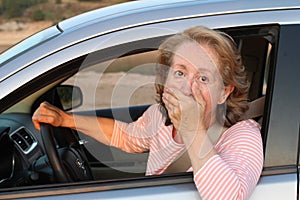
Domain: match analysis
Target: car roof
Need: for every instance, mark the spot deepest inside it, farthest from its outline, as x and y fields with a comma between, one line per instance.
x=208, y=7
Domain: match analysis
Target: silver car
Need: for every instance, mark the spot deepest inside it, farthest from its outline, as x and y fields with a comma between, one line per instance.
x=102, y=63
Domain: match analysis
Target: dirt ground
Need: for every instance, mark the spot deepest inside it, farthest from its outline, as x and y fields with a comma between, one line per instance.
x=12, y=31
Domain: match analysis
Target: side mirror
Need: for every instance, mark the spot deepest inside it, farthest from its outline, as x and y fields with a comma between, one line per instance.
x=70, y=96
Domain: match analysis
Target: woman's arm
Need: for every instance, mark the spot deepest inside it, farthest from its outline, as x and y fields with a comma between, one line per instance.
x=188, y=117
x=228, y=171
x=235, y=170
x=130, y=137
x=99, y=128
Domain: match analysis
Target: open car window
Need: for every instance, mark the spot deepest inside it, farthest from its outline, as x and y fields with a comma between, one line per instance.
x=123, y=87
x=122, y=82
x=119, y=83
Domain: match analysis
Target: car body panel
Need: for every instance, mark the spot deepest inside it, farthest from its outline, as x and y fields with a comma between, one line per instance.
x=285, y=187
x=170, y=10
x=282, y=132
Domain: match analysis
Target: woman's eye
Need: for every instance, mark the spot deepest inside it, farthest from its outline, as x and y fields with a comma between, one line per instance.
x=203, y=79
x=178, y=73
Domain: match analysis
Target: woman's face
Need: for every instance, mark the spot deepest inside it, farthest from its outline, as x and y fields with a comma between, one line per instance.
x=196, y=64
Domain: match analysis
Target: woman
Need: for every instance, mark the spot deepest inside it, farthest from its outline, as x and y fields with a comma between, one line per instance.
x=202, y=89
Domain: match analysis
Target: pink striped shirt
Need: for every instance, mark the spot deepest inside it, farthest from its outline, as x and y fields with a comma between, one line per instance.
x=231, y=174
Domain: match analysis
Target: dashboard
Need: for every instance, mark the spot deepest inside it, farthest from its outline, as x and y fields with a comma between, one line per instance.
x=20, y=151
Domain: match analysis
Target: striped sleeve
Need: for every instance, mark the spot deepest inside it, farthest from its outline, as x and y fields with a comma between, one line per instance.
x=135, y=137
x=234, y=172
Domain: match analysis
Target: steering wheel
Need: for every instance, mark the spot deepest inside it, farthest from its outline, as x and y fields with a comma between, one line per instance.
x=68, y=163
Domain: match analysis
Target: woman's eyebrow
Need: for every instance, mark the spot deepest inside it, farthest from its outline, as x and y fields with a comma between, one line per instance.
x=179, y=65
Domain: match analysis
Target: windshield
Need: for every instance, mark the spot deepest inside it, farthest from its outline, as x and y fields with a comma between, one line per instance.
x=28, y=43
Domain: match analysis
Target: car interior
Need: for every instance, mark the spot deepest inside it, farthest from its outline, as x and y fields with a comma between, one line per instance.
x=98, y=86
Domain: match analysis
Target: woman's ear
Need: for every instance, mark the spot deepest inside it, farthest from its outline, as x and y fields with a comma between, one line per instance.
x=225, y=93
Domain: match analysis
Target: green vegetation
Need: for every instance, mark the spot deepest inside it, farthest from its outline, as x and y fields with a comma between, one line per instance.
x=38, y=15
x=88, y=0
x=51, y=10
x=15, y=8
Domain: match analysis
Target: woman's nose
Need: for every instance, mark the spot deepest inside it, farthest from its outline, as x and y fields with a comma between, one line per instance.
x=187, y=86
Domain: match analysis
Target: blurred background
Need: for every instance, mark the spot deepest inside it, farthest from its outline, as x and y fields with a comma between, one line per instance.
x=21, y=18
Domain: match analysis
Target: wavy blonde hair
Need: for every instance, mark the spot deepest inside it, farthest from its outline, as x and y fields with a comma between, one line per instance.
x=229, y=63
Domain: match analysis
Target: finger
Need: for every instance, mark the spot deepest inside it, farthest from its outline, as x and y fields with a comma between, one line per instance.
x=174, y=112
x=175, y=98
x=36, y=124
x=169, y=96
x=52, y=111
x=170, y=100
x=46, y=107
x=46, y=113
x=176, y=93
x=198, y=94
x=35, y=119
x=169, y=107
x=169, y=104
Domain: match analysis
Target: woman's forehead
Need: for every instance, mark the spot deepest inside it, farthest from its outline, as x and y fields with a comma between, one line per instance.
x=196, y=55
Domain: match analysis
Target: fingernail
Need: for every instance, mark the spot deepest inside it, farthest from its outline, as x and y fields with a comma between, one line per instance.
x=170, y=90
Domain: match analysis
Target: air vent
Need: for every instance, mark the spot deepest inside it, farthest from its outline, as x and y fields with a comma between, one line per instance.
x=24, y=140
x=25, y=135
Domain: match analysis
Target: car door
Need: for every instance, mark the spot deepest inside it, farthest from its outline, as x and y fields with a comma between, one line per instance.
x=282, y=123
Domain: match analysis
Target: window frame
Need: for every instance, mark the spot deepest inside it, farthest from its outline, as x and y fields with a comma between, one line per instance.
x=117, y=51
